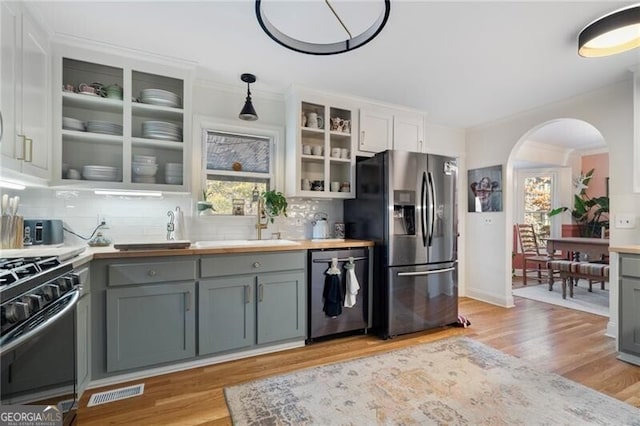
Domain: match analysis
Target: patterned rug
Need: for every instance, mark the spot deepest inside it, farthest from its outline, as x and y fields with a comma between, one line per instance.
x=455, y=381
x=596, y=302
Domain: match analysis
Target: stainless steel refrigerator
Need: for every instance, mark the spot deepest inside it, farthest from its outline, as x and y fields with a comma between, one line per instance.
x=406, y=203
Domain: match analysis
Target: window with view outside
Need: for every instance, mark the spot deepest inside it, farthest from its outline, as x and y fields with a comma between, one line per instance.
x=537, y=204
x=238, y=167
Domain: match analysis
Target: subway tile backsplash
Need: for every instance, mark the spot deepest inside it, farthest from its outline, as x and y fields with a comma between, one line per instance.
x=145, y=218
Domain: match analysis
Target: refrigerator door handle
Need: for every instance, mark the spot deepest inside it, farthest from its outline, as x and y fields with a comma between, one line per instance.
x=437, y=271
x=423, y=208
x=432, y=215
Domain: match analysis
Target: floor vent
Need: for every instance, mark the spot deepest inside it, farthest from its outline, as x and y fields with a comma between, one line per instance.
x=116, y=395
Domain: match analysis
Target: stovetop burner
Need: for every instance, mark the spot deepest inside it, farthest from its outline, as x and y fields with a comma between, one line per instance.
x=20, y=275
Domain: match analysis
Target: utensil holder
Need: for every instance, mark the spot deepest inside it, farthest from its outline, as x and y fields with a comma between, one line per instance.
x=11, y=232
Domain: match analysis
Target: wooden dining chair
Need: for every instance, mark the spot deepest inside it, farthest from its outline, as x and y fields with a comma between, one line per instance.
x=534, y=258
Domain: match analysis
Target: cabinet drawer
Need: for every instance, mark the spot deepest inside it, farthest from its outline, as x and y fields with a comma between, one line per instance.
x=151, y=272
x=251, y=263
x=630, y=266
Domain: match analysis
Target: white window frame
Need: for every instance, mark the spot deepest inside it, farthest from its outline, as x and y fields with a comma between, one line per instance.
x=203, y=125
x=521, y=175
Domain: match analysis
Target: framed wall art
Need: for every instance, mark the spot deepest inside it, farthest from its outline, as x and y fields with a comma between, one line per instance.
x=485, y=189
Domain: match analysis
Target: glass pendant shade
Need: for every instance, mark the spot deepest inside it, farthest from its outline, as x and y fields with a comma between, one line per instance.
x=614, y=33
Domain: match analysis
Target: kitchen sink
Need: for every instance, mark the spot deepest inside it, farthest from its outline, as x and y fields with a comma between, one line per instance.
x=243, y=243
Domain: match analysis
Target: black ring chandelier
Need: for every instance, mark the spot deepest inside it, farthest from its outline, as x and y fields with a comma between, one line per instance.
x=350, y=43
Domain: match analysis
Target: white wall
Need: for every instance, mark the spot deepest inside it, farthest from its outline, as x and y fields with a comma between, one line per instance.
x=610, y=110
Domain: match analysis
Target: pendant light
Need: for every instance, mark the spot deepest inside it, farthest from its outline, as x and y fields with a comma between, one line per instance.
x=616, y=32
x=248, y=112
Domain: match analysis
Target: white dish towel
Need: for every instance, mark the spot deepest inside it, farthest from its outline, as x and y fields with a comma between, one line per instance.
x=352, y=284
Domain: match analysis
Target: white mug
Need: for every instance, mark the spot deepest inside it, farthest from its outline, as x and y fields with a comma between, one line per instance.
x=306, y=149
x=306, y=185
x=335, y=186
x=344, y=153
x=317, y=150
x=335, y=152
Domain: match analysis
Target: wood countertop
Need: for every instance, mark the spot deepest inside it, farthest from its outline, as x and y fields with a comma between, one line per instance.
x=111, y=253
x=630, y=249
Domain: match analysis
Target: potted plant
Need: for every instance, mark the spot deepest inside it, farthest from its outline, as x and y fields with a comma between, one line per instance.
x=591, y=214
x=275, y=204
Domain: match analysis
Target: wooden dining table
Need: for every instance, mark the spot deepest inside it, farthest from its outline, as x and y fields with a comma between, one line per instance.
x=594, y=248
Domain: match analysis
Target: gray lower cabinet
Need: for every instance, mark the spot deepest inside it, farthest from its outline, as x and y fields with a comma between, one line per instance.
x=226, y=314
x=83, y=316
x=250, y=299
x=281, y=307
x=629, y=307
x=149, y=324
x=83, y=333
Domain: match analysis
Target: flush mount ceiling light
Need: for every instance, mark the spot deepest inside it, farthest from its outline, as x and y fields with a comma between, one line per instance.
x=320, y=27
x=248, y=112
x=616, y=32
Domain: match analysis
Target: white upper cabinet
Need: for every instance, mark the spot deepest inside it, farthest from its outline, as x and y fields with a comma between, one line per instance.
x=134, y=133
x=320, y=146
x=25, y=142
x=376, y=130
x=408, y=132
x=383, y=128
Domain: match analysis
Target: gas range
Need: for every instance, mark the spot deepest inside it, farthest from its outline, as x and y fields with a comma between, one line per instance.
x=32, y=290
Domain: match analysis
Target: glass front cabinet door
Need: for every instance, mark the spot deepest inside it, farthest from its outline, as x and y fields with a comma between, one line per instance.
x=120, y=123
x=319, y=155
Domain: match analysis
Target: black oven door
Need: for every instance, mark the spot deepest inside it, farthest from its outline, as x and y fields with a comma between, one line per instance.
x=42, y=370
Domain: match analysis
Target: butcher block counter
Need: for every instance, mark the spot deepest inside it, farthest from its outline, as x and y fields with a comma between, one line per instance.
x=111, y=253
x=630, y=249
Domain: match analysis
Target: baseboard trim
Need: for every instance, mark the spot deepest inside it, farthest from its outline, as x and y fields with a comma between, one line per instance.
x=492, y=298
x=108, y=381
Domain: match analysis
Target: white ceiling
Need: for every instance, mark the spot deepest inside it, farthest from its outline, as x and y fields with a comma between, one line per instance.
x=465, y=63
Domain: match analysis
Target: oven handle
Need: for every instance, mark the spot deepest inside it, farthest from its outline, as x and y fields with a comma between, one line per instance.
x=74, y=295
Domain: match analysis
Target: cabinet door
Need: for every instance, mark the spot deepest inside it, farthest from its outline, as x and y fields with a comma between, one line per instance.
x=281, y=306
x=226, y=314
x=149, y=324
x=83, y=342
x=9, y=61
x=34, y=114
x=408, y=132
x=629, y=339
x=376, y=130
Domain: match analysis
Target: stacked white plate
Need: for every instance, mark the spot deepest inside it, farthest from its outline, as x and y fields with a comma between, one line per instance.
x=72, y=124
x=160, y=97
x=104, y=127
x=144, y=169
x=161, y=130
x=173, y=173
x=107, y=173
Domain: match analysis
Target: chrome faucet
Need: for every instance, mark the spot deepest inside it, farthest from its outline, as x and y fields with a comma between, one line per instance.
x=259, y=215
x=171, y=227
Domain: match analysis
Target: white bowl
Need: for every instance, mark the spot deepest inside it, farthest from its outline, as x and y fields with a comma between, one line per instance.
x=143, y=169
x=146, y=159
x=173, y=180
x=143, y=179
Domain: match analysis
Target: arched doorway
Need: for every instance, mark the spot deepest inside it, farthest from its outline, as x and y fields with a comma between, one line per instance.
x=542, y=167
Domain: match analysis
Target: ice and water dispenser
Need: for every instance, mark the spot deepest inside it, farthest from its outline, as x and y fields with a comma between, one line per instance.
x=404, y=212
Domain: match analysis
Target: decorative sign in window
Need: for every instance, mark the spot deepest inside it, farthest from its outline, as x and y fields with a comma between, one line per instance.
x=238, y=153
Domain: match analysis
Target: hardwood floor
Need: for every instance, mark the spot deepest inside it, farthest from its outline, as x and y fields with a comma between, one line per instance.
x=567, y=342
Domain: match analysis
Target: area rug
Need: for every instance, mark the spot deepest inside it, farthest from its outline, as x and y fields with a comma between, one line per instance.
x=455, y=381
x=596, y=302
